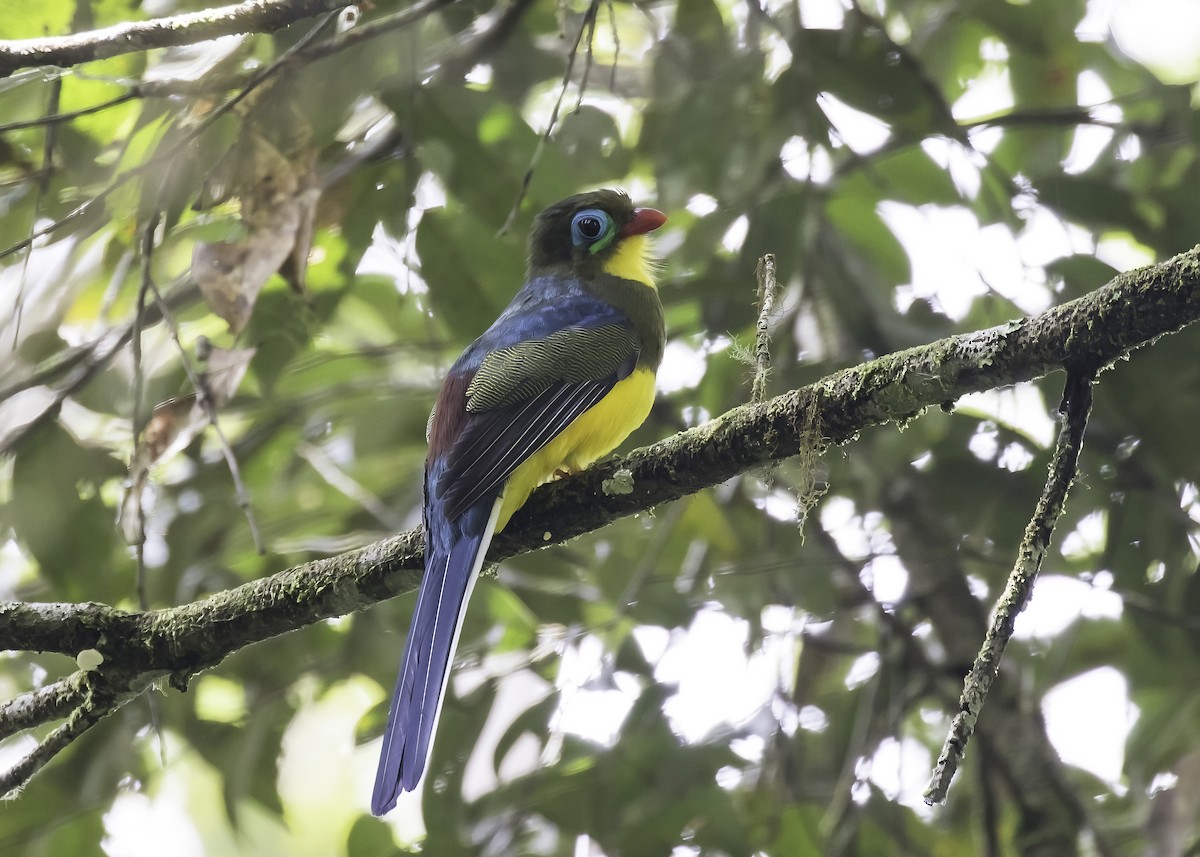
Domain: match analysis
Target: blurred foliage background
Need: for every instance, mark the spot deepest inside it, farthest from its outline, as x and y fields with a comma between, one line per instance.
x=708, y=679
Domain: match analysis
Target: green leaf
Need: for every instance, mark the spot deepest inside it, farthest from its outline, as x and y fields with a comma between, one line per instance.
x=471, y=273
x=57, y=480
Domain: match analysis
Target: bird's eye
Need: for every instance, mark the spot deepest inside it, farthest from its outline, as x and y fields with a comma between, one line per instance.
x=589, y=226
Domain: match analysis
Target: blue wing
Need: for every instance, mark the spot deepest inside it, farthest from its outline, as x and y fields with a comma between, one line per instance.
x=544, y=306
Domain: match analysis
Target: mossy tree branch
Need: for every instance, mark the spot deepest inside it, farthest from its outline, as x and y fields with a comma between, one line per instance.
x=137, y=647
x=255, y=16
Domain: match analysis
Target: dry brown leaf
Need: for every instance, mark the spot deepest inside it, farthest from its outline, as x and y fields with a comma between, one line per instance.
x=173, y=425
x=278, y=191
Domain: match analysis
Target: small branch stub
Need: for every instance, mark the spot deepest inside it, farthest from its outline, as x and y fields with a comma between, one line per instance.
x=767, y=288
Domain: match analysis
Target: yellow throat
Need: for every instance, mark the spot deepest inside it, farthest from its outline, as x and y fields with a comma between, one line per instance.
x=631, y=260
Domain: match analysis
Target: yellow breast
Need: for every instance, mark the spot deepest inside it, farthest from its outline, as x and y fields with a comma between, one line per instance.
x=595, y=432
x=601, y=428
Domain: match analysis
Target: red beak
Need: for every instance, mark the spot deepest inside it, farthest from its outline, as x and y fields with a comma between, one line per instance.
x=644, y=220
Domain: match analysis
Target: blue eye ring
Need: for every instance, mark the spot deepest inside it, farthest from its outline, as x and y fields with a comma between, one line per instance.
x=592, y=228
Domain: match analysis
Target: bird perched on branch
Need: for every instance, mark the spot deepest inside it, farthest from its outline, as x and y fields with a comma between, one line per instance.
x=562, y=376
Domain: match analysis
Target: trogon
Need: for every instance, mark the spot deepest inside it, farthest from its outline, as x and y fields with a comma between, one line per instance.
x=559, y=379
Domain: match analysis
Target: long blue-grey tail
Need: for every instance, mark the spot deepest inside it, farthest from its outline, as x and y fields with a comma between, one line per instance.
x=454, y=553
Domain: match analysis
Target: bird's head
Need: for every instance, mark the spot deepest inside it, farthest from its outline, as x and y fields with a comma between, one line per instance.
x=593, y=232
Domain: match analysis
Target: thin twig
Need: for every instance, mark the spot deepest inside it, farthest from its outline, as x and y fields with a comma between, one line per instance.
x=616, y=37
x=43, y=184
x=362, y=33
x=139, y=425
x=56, y=118
x=40, y=706
x=205, y=400
x=1019, y=118
x=469, y=51
x=589, y=19
x=340, y=481
x=138, y=422
x=77, y=365
x=1075, y=407
x=259, y=77
x=19, y=773
x=100, y=699
x=589, y=60
x=53, y=744
x=767, y=290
